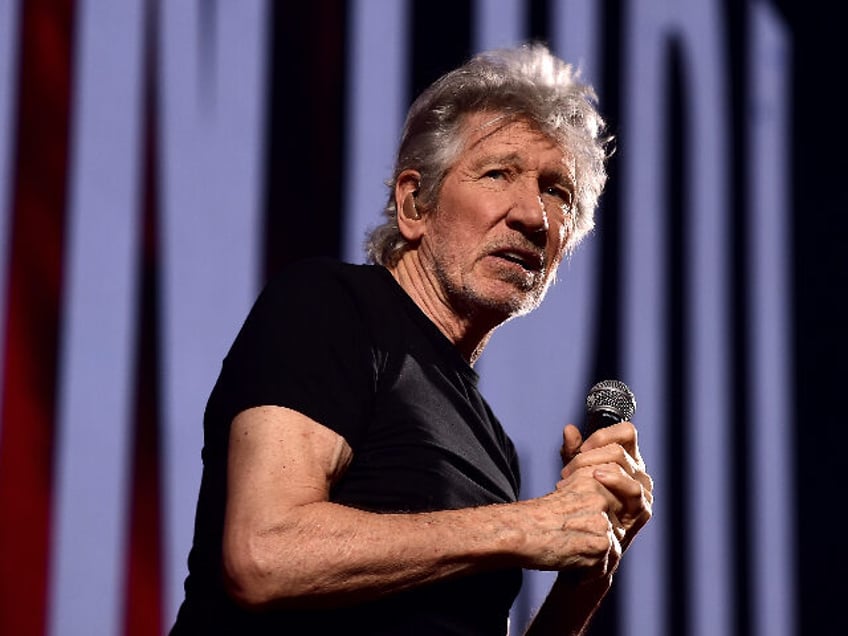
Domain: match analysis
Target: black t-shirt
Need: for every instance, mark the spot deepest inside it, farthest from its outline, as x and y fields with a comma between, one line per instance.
x=346, y=346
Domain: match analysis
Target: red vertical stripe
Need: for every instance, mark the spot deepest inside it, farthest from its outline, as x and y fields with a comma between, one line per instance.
x=34, y=294
x=143, y=609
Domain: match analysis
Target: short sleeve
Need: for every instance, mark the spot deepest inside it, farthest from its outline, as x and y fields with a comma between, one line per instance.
x=303, y=346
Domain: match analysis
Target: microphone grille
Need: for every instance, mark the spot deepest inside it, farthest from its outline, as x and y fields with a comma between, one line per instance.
x=612, y=395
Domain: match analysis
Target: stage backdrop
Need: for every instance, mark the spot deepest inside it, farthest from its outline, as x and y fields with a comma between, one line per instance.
x=160, y=160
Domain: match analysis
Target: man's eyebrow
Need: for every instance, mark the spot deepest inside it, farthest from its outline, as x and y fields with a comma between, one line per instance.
x=512, y=158
x=560, y=177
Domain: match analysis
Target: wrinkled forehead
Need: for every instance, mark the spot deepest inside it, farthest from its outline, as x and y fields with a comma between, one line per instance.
x=482, y=130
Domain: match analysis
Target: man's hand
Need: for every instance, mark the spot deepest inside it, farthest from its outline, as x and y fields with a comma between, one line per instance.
x=622, y=496
x=612, y=455
x=574, y=529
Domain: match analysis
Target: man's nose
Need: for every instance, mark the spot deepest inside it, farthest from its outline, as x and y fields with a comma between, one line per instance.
x=528, y=214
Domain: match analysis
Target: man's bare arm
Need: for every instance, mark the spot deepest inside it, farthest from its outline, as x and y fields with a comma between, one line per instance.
x=285, y=543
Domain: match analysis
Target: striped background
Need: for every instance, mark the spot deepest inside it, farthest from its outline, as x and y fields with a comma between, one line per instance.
x=158, y=160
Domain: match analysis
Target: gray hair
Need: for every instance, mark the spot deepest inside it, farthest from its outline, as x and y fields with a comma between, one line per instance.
x=528, y=83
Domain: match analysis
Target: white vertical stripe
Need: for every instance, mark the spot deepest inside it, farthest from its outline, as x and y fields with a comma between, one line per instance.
x=212, y=142
x=709, y=444
x=644, y=208
x=8, y=97
x=774, y=610
x=88, y=552
x=377, y=99
x=498, y=24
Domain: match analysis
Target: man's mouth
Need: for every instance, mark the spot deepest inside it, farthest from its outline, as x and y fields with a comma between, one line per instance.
x=528, y=259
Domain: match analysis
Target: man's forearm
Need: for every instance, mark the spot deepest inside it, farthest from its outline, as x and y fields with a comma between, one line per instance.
x=569, y=606
x=324, y=554
x=285, y=543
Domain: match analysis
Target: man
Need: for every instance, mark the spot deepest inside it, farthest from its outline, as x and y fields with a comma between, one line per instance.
x=354, y=477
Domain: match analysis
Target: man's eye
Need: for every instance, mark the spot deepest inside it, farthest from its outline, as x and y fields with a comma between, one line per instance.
x=495, y=173
x=560, y=193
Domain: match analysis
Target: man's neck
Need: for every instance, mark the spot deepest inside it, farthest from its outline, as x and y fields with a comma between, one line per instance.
x=469, y=332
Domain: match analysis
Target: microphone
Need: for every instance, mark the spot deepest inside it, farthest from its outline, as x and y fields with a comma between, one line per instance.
x=608, y=402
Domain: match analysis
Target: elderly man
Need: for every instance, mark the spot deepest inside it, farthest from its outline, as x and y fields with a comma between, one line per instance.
x=354, y=477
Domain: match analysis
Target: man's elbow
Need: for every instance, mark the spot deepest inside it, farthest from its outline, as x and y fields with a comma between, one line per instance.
x=249, y=576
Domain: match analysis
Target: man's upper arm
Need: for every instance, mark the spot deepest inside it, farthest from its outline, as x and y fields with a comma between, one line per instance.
x=278, y=459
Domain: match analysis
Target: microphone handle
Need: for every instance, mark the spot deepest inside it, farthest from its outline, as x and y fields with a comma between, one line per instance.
x=600, y=418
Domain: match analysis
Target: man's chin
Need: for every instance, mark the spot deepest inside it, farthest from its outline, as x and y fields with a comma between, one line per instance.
x=525, y=299
x=507, y=300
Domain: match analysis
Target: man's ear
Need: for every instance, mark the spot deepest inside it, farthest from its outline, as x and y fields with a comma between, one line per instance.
x=409, y=217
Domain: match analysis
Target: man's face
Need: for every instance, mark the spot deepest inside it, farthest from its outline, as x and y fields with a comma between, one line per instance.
x=502, y=220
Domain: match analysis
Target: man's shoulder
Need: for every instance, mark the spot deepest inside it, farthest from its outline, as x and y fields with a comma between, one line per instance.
x=330, y=286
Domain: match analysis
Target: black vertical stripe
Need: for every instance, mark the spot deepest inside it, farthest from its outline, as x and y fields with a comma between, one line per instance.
x=538, y=20
x=306, y=136
x=820, y=234
x=677, y=381
x=607, y=362
x=738, y=284
x=441, y=40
